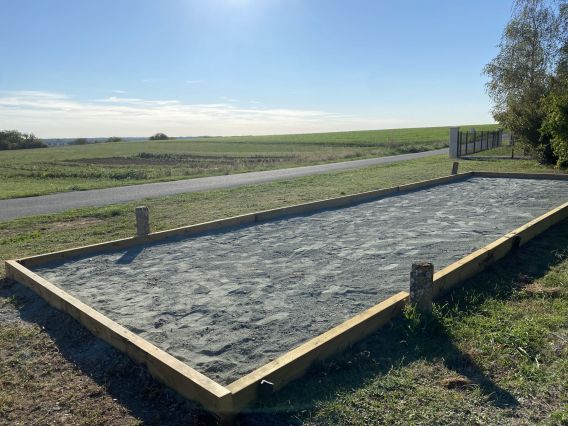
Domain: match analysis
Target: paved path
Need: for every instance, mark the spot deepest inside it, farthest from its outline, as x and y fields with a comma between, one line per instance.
x=53, y=203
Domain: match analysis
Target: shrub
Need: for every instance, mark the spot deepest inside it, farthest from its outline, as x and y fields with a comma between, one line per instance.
x=12, y=139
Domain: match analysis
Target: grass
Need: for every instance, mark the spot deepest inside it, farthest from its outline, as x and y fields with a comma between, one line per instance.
x=495, y=352
x=33, y=172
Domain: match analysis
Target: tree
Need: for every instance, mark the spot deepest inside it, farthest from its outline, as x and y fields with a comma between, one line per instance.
x=520, y=74
x=555, y=105
x=114, y=139
x=159, y=137
x=12, y=139
x=79, y=141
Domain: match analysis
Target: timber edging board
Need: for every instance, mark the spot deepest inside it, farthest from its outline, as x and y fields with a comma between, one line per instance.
x=293, y=364
x=176, y=374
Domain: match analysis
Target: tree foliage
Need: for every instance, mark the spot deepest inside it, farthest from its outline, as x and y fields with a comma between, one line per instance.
x=114, y=139
x=521, y=75
x=159, y=137
x=556, y=122
x=12, y=139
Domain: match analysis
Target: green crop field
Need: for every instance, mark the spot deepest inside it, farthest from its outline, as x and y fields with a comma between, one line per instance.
x=25, y=173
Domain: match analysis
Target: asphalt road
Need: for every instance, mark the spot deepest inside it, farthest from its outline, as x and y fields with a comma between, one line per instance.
x=21, y=207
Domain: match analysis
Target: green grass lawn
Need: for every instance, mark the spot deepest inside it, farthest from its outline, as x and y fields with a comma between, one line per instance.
x=495, y=352
x=71, y=168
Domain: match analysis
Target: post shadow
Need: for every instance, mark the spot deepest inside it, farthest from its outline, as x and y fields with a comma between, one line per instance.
x=130, y=254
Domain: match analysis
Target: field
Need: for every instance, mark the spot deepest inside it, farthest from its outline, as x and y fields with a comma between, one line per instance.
x=495, y=352
x=32, y=172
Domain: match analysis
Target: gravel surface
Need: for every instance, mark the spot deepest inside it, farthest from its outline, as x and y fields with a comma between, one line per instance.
x=228, y=302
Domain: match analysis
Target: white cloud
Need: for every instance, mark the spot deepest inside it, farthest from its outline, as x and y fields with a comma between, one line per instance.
x=58, y=115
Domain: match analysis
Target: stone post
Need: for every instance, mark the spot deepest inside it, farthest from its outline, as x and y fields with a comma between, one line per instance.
x=455, y=167
x=454, y=134
x=421, y=279
x=142, y=221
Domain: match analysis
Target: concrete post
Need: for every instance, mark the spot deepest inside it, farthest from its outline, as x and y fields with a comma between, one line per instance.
x=454, y=133
x=142, y=221
x=455, y=167
x=421, y=279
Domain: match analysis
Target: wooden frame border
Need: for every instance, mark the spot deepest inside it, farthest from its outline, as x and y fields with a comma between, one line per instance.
x=293, y=364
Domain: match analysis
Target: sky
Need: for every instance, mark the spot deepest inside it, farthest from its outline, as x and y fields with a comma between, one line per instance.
x=74, y=68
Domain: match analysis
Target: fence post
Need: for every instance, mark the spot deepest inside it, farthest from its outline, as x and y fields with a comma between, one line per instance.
x=421, y=280
x=454, y=134
x=142, y=221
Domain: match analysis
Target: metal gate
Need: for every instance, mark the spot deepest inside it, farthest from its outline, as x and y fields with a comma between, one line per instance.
x=472, y=141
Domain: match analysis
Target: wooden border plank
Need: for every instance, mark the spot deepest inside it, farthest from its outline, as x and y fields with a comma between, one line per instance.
x=169, y=370
x=434, y=182
x=521, y=175
x=294, y=363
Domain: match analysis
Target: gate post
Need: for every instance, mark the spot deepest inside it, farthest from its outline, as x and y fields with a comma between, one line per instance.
x=454, y=134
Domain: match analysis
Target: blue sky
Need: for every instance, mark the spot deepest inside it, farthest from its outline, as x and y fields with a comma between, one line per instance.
x=220, y=67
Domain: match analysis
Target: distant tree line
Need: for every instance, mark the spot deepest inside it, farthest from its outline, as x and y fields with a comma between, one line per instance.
x=528, y=79
x=85, y=141
x=79, y=141
x=12, y=139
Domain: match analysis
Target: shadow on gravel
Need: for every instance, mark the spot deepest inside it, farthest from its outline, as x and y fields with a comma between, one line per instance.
x=399, y=344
